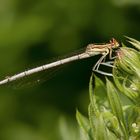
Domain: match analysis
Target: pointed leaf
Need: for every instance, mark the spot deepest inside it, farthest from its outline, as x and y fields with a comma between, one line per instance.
x=83, y=122
x=114, y=101
x=134, y=42
x=98, y=126
x=92, y=98
x=116, y=106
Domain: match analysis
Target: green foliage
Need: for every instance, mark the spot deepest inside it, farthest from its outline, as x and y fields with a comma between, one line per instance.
x=114, y=107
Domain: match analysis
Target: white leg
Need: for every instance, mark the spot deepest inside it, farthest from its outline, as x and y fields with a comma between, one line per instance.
x=103, y=73
x=96, y=66
x=110, y=55
x=109, y=64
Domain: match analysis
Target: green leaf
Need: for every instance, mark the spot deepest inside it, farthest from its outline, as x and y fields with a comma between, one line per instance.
x=92, y=98
x=131, y=90
x=134, y=42
x=99, y=129
x=95, y=116
x=68, y=129
x=116, y=106
x=83, y=123
x=112, y=124
x=114, y=101
x=98, y=94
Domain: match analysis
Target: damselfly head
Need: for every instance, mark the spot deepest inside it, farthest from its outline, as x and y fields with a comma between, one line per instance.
x=114, y=43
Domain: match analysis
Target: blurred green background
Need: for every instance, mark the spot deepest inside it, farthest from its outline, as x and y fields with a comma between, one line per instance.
x=33, y=31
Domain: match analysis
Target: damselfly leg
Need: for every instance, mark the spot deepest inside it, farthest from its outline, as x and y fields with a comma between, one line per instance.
x=109, y=64
x=101, y=61
x=96, y=66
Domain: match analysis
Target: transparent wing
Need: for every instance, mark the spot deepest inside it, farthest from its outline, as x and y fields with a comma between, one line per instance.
x=42, y=76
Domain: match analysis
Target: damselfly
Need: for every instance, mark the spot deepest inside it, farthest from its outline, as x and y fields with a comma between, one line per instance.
x=91, y=50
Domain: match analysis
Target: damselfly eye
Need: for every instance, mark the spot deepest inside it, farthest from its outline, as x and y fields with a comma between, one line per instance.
x=114, y=43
